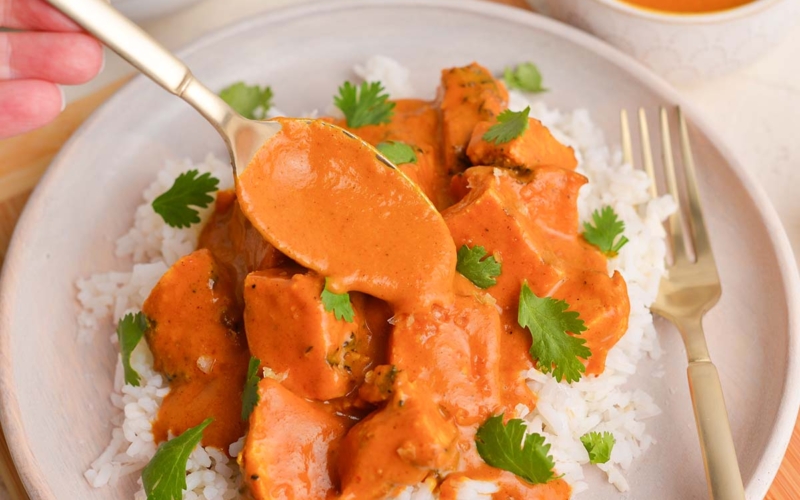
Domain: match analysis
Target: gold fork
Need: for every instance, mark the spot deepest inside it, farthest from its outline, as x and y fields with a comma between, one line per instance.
x=689, y=290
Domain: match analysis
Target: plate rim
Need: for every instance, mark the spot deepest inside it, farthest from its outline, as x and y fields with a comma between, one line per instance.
x=778, y=441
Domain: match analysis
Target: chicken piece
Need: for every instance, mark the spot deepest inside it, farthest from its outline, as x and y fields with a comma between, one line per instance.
x=603, y=305
x=195, y=342
x=493, y=216
x=459, y=186
x=536, y=147
x=551, y=197
x=189, y=403
x=468, y=95
x=192, y=318
x=290, y=331
x=530, y=225
x=290, y=449
x=235, y=243
x=489, y=217
x=398, y=445
x=416, y=123
x=454, y=351
x=378, y=384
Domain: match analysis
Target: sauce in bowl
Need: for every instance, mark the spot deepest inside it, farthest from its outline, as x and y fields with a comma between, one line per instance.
x=688, y=6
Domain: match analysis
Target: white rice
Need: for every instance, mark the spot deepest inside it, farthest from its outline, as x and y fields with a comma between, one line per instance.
x=393, y=75
x=153, y=247
x=564, y=412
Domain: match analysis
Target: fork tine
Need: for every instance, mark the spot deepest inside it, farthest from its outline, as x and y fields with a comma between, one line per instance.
x=679, y=251
x=625, y=129
x=702, y=247
x=647, y=153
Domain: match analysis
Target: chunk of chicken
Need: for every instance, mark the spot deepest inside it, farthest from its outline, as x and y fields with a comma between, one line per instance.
x=195, y=342
x=415, y=123
x=603, y=305
x=290, y=331
x=399, y=445
x=290, y=448
x=454, y=351
x=530, y=223
x=468, y=95
x=493, y=216
x=536, y=147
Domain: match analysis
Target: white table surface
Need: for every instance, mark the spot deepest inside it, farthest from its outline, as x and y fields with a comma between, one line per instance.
x=756, y=110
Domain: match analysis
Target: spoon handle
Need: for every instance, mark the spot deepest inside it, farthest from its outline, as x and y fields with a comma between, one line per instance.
x=128, y=40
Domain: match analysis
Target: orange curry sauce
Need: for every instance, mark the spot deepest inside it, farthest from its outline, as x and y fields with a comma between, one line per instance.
x=689, y=6
x=361, y=409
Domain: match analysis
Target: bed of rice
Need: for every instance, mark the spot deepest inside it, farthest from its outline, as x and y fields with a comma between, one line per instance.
x=564, y=412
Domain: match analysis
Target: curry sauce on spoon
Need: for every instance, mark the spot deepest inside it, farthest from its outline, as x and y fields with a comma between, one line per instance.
x=333, y=205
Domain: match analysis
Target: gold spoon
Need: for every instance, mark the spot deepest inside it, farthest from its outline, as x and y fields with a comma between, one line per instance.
x=245, y=138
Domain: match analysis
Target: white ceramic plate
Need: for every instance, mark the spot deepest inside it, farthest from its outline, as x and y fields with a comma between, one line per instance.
x=54, y=392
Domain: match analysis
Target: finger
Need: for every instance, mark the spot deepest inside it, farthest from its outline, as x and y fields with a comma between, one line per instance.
x=34, y=15
x=28, y=104
x=68, y=58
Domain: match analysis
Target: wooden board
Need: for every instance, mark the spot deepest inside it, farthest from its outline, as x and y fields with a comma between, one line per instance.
x=24, y=159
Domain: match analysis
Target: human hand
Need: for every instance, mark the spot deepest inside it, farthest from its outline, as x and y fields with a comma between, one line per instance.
x=50, y=50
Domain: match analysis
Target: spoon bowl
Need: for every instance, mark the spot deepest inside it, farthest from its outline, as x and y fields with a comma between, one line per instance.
x=243, y=137
x=314, y=152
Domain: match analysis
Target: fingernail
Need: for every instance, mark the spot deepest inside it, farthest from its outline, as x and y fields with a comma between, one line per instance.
x=63, y=97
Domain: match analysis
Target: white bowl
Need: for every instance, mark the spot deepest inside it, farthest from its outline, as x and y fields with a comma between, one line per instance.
x=684, y=48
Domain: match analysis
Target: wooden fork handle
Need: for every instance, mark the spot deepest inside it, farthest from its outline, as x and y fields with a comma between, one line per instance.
x=716, y=442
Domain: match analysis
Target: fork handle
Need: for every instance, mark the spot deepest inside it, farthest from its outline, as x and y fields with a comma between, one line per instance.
x=716, y=442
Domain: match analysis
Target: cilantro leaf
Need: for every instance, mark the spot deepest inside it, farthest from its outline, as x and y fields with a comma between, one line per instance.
x=480, y=272
x=605, y=230
x=508, y=447
x=364, y=105
x=525, y=76
x=130, y=330
x=509, y=126
x=599, y=446
x=250, y=395
x=174, y=205
x=164, y=478
x=397, y=152
x=339, y=303
x=549, y=321
x=250, y=101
